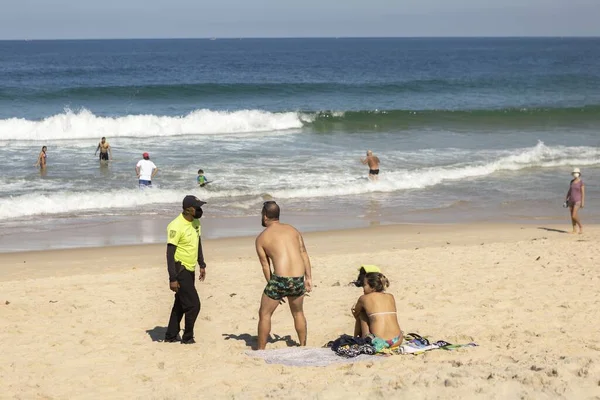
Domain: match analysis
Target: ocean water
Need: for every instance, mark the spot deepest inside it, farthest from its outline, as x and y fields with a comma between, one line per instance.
x=466, y=129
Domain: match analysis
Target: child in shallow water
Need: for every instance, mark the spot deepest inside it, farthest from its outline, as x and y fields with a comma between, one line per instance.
x=201, y=179
x=375, y=313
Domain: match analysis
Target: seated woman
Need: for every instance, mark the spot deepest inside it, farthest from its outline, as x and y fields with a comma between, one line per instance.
x=375, y=313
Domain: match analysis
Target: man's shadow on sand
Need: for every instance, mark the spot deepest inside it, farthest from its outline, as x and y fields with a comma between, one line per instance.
x=552, y=230
x=157, y=334
x=252, y=341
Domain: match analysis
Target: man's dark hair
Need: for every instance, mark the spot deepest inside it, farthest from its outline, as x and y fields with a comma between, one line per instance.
x=200, y=171
x=103, y=138
x=271, y=210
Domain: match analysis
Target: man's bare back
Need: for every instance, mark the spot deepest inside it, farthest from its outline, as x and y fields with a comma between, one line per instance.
x=283, y=246
x=373, y=162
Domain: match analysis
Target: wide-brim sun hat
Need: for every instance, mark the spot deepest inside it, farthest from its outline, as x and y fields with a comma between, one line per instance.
x=576, y=171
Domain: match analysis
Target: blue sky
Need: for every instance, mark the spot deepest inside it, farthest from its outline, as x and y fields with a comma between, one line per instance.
x=80, y=19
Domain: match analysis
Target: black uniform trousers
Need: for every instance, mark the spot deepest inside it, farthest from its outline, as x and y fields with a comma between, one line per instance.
x=186, y=303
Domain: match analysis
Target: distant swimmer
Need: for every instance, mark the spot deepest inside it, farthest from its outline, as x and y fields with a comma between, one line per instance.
x=41, y=161
x=373, y=162
x=105, y=150
x=145, y=170
x=201, y=179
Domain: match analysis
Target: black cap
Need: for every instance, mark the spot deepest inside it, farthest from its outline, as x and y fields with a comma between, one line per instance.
x=192, y=201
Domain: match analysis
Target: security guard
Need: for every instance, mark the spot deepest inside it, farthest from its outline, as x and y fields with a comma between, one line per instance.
x=184, y=250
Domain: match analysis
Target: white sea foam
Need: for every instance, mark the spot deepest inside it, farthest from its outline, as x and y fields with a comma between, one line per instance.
x=540, y=156
x=292, y=186
x=64, y=202
x=16, y=185
x=84, y=124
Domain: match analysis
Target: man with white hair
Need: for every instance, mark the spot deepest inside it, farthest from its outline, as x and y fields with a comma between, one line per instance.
x=373, y=162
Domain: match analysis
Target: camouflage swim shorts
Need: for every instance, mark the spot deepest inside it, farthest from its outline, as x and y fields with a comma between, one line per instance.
x=283, y=286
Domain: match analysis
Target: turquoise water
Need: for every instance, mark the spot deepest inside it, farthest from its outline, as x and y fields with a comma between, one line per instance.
x=465, y=128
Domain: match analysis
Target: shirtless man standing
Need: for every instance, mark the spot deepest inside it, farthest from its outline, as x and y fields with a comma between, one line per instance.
x=105, y=150
x=373, y=162
x=282, y=245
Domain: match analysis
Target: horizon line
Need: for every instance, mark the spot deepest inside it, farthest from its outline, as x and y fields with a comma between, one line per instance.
x=305, y=37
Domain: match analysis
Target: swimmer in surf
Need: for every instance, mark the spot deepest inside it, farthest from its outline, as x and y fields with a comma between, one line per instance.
x=373, y=163
x=41, y=161
x=105, y=150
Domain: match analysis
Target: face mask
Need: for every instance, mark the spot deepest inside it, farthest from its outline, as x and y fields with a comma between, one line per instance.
x=198, y=213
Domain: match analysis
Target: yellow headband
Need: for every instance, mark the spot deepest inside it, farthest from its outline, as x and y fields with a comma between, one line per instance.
x=369, y=268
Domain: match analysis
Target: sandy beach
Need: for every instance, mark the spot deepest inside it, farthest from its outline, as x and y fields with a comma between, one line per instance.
x=85, y=323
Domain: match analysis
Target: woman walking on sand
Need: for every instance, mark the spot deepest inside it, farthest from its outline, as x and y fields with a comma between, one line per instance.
x=576, y=199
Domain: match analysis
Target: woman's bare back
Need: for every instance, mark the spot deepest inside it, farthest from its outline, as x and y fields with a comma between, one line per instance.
x=381, y=311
